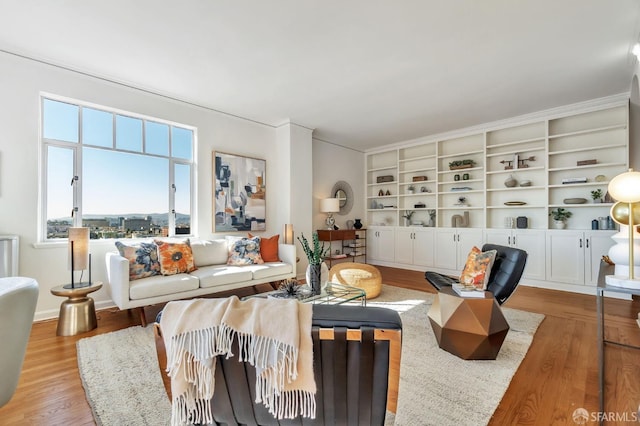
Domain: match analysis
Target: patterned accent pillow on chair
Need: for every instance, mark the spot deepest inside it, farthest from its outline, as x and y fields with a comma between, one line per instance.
x=477, y=270
x=143, y=259
x=175, y=258
x=245, y=251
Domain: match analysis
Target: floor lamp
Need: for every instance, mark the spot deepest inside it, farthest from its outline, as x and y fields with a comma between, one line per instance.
x=625, y=188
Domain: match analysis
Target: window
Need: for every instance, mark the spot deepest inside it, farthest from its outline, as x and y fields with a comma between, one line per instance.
x=118, y=173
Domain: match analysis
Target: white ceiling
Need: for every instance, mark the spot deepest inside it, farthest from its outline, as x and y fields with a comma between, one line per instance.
x=362, y=73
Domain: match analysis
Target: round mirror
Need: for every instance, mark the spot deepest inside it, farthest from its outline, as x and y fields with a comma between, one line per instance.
x=343, y=192
x=341, y=196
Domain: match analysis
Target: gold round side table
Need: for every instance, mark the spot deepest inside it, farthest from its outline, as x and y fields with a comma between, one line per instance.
x=78, y=312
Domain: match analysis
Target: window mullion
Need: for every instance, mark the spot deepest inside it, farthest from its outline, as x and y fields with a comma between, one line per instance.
x=77, y=165
x=172, y=197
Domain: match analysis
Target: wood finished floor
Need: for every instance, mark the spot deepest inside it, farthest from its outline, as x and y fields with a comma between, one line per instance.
x=558, y=375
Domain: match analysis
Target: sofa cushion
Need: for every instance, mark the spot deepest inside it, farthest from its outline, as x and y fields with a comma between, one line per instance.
x=270, y=269
x=269, y=248
x=175, y=257
x=210, y=252
x=215, y=275
x=245, y=251
x=142, y=257
x=160, y=285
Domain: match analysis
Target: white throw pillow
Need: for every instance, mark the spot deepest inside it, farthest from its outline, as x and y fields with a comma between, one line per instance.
x=210, y=252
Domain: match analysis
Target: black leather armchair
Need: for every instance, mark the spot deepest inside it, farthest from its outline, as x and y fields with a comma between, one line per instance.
x=505, y=274
x=356, y=355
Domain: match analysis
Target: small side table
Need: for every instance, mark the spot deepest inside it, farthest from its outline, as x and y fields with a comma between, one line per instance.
x=470, y=328
x=78, y=312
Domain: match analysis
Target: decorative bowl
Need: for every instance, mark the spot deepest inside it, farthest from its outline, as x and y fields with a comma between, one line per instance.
x=574, y=200
x=525, y=183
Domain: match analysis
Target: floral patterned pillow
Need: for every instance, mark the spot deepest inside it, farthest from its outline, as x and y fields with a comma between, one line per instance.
x=245, y=251
x=477, y=270
x=175, y=258
x=143, y=259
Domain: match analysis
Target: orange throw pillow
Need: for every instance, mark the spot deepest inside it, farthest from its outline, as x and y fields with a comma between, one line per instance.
x=269, y=248
x=175, y=258
x=477, y=270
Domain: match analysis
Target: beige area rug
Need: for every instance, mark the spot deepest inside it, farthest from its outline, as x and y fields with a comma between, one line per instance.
x=123, y=384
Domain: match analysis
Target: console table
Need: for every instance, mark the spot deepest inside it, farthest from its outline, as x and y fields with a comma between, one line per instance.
x=607, y=269
x=353, y=244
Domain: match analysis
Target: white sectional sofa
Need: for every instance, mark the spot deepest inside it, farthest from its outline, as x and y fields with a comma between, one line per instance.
x=212, y=275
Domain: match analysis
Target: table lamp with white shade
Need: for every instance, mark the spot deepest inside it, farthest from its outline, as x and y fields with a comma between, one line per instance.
x=625, y=189
x=330, y=206
x=79, y=257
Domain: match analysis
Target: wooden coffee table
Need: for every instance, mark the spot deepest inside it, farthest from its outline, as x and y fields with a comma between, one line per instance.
x=470, y=328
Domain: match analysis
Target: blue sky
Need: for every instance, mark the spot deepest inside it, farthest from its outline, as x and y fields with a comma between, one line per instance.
x=114, y=182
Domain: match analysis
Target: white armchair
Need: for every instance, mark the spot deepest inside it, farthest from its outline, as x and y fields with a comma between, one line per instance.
x=18, y=297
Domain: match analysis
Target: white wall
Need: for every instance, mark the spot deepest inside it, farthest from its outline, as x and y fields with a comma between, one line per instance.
x=333, y=163
x=22, y=80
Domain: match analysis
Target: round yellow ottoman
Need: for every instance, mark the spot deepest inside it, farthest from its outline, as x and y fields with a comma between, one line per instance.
x=359, y=275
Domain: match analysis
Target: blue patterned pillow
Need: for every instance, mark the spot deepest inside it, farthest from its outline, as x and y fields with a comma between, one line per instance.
x=244, y=251
x=142, y=257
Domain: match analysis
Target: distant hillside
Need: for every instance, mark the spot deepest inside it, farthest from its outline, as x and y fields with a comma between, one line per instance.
x=156, y=218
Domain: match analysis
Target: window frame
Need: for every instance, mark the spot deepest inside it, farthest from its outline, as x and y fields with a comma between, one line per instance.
x=77, y=151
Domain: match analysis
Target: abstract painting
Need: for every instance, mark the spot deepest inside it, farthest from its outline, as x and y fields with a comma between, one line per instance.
x=239, y=194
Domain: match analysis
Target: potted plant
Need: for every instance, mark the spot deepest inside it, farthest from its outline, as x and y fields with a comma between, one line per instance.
x=315, y=256
x=407, y=217
x=597, y=195
x=559, y=217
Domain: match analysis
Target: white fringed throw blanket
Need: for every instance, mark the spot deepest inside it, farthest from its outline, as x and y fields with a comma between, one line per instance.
x=274, y=335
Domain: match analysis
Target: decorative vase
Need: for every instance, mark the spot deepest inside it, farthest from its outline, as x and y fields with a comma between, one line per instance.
x=357, y=224
x=317, y=277
x=559, y=224
x=510, y=182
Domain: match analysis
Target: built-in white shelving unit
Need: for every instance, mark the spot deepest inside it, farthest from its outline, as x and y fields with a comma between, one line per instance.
x=460, y=183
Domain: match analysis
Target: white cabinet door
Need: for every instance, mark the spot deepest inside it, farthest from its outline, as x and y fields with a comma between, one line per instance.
x=423, y=247
x=467, y=238
x=380, y=244
x=501, y=237
x=372, y=244
x=531, y=241
x=565, y=256
x=404, y=245
x=386, y=244
x=453, y=246
x=446, y=242
x=598, y=244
